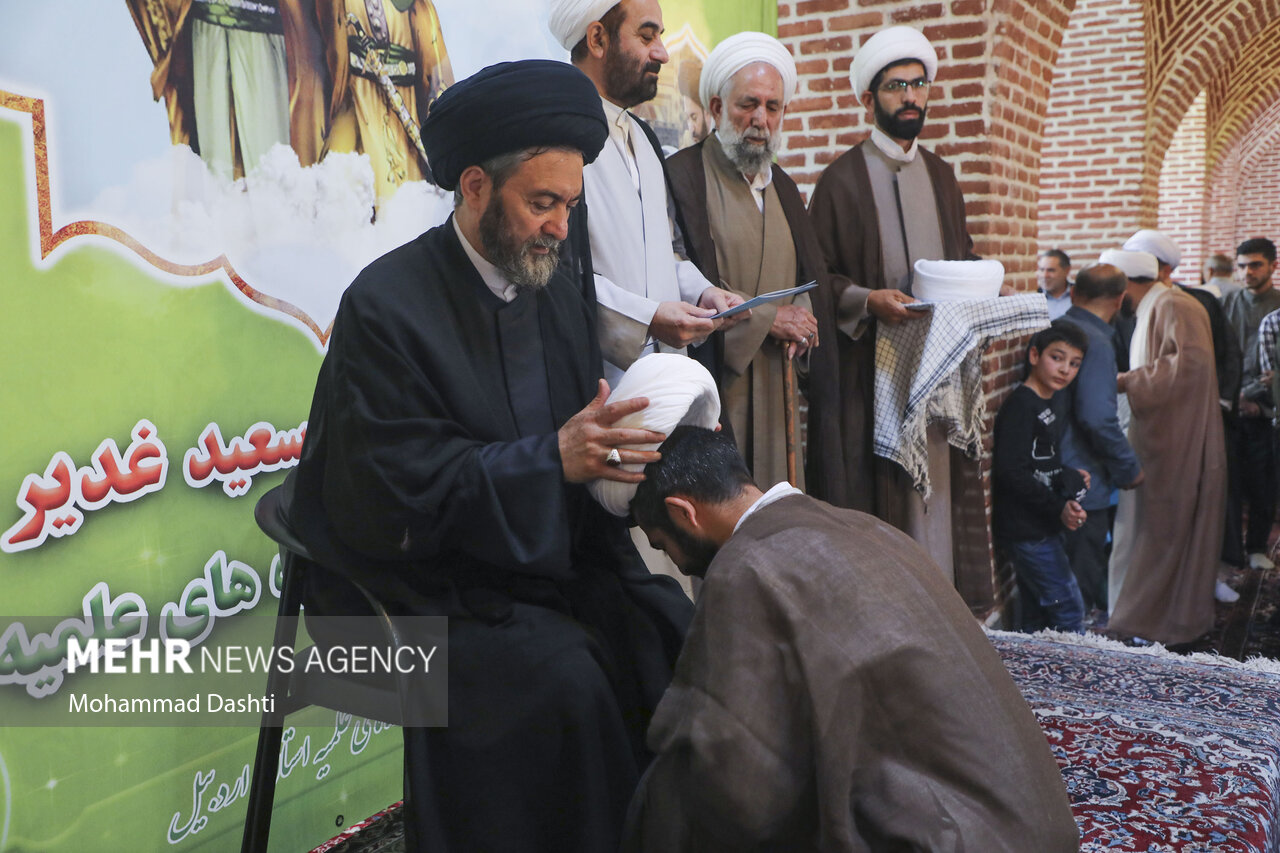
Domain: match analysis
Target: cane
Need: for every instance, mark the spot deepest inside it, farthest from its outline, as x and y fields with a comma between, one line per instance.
x=789, y=413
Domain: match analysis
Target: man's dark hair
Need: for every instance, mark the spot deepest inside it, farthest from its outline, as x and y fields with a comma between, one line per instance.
x=1060, y=330
x=1258, y=246
x=879, y=78
x=612, y=21
x=696, y=463
x=1098, y=281
x=1060, y=256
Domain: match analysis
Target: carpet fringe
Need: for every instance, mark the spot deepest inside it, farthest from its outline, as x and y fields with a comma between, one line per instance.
x=1096, y=641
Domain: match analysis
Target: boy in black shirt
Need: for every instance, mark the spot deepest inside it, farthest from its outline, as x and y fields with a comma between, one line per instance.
x=1034, y=497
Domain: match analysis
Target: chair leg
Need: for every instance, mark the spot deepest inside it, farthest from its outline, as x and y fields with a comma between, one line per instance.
x=262, y=790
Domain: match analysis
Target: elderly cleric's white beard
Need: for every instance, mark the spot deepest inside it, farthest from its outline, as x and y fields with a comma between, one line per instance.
x=749, y=158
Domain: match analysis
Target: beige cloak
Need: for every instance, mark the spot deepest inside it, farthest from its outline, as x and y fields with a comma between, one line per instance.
x=1168, y=532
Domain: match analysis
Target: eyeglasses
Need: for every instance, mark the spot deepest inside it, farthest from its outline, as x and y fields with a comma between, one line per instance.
x=897, y=87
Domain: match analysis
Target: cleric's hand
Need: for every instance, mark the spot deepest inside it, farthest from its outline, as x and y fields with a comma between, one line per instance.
x=719, y=299
x=886, y=306
x=587, y=437
x=678, y=324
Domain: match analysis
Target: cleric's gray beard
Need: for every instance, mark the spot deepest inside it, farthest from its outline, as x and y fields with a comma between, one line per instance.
x=749, y=158
x=528, y=272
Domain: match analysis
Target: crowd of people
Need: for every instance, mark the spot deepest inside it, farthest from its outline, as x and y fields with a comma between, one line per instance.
x=830, y=689
x=1169, y=419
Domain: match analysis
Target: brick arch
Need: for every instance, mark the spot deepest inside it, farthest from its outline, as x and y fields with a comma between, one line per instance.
x=1242, y=179
x=1242, y=90
x=1128, y=72
x=1193, y=44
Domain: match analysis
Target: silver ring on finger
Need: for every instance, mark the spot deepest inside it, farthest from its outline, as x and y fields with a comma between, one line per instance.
x=613, y=459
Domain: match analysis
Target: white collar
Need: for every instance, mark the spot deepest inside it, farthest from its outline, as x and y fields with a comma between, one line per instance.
x=892, y=149
x=493, y=278
x=616, y=115
x=781, y=490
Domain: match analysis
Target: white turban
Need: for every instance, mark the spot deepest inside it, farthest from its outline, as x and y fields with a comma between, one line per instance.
x=570, y=18
x=1158, y=244
x=954, y=281
x=887, y=47
x=1132, y=263
x=736, y=53
x=679, y=390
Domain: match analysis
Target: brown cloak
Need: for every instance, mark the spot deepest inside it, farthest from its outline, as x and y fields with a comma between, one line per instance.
x=844, y=220
x=1171, y=526
x=826, y=475
x=835, y=694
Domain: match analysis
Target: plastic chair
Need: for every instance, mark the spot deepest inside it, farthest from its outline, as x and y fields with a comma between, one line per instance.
x=298, y=689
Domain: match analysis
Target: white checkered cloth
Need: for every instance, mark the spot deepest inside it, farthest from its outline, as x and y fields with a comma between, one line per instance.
x=930, y=371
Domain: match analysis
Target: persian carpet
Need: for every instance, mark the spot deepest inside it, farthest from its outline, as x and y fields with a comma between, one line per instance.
x=1160, y=752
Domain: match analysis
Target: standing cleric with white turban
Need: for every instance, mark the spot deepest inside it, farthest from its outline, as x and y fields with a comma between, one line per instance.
x=1168, y=533
x=880, y=207
x=746, y=223
x=652, y=297
x=457, y=417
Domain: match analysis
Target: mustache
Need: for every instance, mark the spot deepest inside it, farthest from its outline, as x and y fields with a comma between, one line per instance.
x=544, y=241
x=653, y=67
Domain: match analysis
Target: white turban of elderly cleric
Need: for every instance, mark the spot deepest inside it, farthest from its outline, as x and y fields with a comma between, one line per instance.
x=737, y=52
x=679, y=390
x=508, y=107
x=570, y=18
x=895, y=44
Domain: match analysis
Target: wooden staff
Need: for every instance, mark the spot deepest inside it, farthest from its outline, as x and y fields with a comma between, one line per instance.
x=789, y=413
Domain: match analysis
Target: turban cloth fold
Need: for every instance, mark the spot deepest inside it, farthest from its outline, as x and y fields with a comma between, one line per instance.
x=895, y=44
x=1133, y=264
x=680, y=391
x=570, y=18
x=737, y=52
x=951, y=281
x=1156, y=243
x=509, y=107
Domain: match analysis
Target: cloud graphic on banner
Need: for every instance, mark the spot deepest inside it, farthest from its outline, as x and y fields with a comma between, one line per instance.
x=298, y=234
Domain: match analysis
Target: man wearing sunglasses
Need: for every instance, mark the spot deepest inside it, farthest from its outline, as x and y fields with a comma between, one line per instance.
x=877, y=209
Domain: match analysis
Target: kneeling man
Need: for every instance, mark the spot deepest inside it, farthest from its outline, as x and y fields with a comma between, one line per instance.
x=834, y=693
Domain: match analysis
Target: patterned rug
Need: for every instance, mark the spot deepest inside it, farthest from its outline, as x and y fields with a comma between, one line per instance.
x=1160, y=752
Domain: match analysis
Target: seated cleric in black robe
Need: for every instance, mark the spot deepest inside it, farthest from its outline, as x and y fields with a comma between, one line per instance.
x=456, y=416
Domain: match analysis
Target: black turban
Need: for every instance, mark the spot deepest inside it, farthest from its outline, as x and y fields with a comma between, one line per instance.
x=509, y=107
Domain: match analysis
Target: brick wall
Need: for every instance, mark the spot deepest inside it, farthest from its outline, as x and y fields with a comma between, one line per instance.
x=1182, y=200
x=1093, y=142
x=1258, y=215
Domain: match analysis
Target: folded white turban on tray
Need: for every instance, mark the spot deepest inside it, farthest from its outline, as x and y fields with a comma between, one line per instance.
x=886, y=47
x=1157, y=243
x=679, y=390
x=1132, y=264
x=736, y=53
x=570, y=18
x=955, y=281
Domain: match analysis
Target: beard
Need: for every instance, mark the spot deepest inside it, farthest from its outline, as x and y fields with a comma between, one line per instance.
x=527, y=271
x=625, y=80
x=698, y=553
x=898, y=127
x=750, y=157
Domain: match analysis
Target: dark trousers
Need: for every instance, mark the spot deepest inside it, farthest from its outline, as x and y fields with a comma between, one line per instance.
x=1251, y=481
x=1089, y=553
x=1047, y=588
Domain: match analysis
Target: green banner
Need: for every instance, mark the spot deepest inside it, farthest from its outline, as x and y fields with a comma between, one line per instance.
x=183, y=199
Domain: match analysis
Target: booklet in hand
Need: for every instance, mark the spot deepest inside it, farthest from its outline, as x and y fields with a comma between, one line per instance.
x=763, y=298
